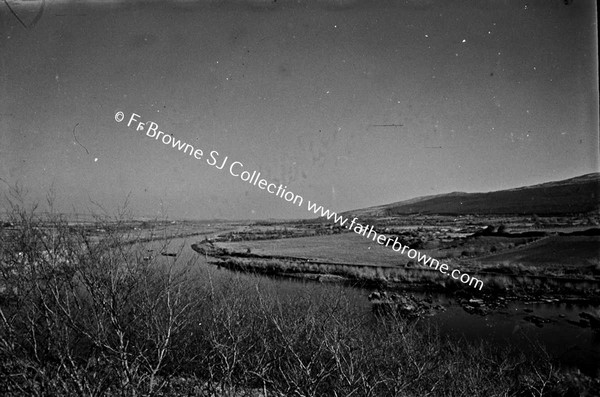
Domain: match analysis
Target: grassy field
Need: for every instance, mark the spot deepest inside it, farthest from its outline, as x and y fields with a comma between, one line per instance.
x=561, y=266
x=571, y=251
x=473, y=253
x=346, y=247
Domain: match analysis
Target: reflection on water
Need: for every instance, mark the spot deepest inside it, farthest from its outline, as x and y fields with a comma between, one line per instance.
x=569, y=343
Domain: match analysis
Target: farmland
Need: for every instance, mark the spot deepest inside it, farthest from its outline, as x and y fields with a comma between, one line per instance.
x=514, y=249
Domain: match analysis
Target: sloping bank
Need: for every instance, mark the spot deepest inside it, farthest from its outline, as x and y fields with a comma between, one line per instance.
x=526, y=287
x=322, y=271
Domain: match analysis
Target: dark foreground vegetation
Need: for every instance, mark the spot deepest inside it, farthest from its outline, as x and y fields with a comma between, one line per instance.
x=97, y=318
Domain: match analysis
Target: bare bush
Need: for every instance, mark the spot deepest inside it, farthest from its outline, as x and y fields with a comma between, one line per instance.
x=93, y=315
x=84, y=315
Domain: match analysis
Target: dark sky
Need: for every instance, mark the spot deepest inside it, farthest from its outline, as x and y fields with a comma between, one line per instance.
x=481, y=96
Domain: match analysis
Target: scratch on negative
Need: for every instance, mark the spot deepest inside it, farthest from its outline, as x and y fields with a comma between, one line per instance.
x=77, y=140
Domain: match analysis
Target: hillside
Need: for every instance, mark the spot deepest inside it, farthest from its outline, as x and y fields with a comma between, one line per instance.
x=574, y=195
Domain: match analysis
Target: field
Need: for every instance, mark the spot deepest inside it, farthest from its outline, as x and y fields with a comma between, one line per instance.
x=507, y=261
x=346, y=247
x=567, y=251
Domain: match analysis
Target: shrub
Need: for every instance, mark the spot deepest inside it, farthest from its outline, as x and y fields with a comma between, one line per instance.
x=87, y=315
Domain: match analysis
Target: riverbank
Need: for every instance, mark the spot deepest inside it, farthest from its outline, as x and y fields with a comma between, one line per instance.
x=507, y=288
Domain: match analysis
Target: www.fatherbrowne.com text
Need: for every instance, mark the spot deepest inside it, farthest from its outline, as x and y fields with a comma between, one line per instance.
x=236, y=169
x=369, y=232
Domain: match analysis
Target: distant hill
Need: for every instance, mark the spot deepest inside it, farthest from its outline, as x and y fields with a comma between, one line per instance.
x=574, y=195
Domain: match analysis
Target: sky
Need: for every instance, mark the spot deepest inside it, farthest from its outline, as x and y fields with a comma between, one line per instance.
x=349, y=104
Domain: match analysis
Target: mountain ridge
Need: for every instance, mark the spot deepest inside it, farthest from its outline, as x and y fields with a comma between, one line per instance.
x=579, y=194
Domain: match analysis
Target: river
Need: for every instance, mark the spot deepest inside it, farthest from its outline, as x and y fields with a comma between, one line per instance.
x=571, y=344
